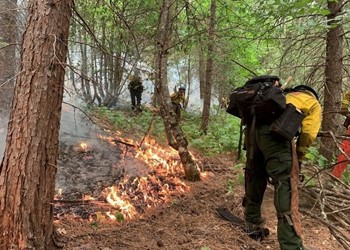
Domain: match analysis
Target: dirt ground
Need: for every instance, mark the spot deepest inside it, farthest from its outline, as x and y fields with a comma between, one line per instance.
x=189, y=221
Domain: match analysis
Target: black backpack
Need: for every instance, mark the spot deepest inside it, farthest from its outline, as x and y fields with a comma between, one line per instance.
x=258, y=100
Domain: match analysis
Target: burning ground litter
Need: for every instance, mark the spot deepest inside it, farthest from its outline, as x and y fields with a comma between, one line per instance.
x=115, y=178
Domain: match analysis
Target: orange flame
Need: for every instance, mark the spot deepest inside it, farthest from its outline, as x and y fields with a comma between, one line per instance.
x=133, y=195
x=155, y=188
x=84, y=146
x=121, y=203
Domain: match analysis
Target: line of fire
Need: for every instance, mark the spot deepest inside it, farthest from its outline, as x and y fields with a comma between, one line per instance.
x=141, y=177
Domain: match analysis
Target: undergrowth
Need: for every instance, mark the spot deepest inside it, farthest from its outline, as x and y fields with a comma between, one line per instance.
x=222, y=135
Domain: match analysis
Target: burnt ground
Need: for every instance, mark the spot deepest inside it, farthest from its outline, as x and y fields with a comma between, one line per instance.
x=179, y=220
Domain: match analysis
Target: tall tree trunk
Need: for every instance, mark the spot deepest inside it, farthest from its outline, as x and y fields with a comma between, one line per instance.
x=175, y=136
x=27, y=172
x=8, y=34
x=201, y=66
x=333, y=75
x=85, y=80
x=209, y=70
x=189, y=79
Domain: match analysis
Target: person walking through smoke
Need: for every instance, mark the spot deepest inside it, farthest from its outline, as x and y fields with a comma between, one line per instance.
x=136, y=88
x=178, y=101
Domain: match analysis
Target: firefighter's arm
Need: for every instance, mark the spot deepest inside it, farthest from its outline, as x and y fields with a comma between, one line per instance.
x=173, y=97
x=309, y=129
x=142, y=88
x=184, y=101
x=345, y=103
x=346, y=123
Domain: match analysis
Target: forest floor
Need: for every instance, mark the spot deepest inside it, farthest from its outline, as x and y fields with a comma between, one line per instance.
x=190, y=221
x=186, y=220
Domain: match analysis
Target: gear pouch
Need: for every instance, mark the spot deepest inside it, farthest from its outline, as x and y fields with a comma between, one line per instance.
x=288, y=123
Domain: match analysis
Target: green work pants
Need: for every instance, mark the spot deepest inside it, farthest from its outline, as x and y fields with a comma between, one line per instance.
x=269, y=156
x=135, y=96
x=177, y=110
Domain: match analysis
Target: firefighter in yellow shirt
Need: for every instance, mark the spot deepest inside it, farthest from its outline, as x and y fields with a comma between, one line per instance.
x=305, y=99
x=275, y=159
x=178, y=101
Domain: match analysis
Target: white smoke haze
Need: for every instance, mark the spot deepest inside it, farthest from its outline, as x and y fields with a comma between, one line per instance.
x=74, y=123
x=4, y=119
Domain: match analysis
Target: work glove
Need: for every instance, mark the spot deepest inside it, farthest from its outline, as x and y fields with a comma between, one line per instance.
x=300, y=158
x=303, y=143
x=346, y=123
x=344, y=111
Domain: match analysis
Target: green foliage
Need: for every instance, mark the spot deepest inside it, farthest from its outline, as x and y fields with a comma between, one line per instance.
x=316, y=158
x=310, y=181
x=222, y=136
x=119, y=216
x=239, y=178
x=94, y=225
x=346, y=176
x=130, y=123
x=230, y=186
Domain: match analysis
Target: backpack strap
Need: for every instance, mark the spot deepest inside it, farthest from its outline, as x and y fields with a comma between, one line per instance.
x=251, y=138
x=240, y=140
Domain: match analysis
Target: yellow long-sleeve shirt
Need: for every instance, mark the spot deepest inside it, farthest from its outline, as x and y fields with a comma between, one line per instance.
x=178, y=98
x=345, y=102
x=307, y=103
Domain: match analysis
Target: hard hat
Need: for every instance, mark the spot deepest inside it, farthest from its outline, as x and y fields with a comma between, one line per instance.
x=303, y=87
x=263, y=78
x=182, y=87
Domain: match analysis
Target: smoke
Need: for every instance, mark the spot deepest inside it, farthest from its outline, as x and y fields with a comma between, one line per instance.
x=4, y=119
x=76, y=125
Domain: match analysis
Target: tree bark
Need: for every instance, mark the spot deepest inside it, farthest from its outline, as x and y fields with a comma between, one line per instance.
x=333, y=77
x=85, y=79
x=189, y=80
x=8, y=62
x=209, y=70
x=28, y=169
x=175, y=136
x=201, y=69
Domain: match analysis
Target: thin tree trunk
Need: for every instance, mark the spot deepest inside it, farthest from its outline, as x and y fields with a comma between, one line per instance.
x=209, y=70
x=96, y=77
x=85, y=81
x=175, y=136
x=8, y=62
x=189, y=77
x=201, y=66
x=27, y=172
x=333, y=75
x=100, y=86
